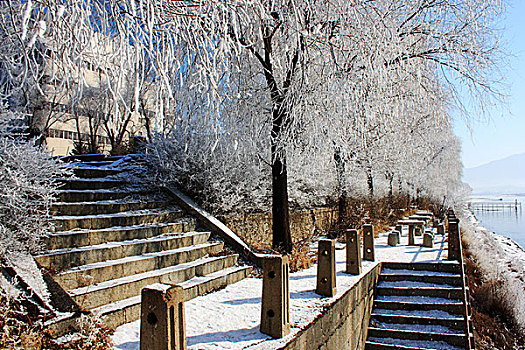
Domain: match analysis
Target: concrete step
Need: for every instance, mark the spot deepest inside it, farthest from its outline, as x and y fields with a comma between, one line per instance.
x=107, y=292
x=448, y=293
x=86, y=237
x=455, y=340
x=417, y=313
x=377, y=345
x=99, y=195
x=98, y=163
x=104, y=271
x=127, y=218
x=451, y=308
x=91, y=173
x=89, y=184
x=447, y=267
x=457, y=324
x=105, y=207
x=414, y=284
x=454, y=280
x=66, y=258
x=128, y=310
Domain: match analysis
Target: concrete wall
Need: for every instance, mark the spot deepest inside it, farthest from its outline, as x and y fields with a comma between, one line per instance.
x=256, y=229
x=344, y=324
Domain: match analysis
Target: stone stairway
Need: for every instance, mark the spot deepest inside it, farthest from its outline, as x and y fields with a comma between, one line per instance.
x=418, y=306
x=112, y=238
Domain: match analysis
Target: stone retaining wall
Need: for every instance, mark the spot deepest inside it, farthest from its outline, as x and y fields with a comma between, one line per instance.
x=343, y=324
x=256, y=229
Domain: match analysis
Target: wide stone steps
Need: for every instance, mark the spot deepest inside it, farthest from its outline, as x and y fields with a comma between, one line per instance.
x=457, y=340
x=65, y=258
x=127, y=218
x=418, y=306
x=128, y=310
x=89, y=184
x=451, y=323
x=450, y=293
x=405, y=344
x=104, y=207
x=86, y=237
x=445, y=280
x=113, y=238
x=451, y=307
x=130, y=265
x=96, y=295
x=371, y=345
x=100, y=195
x=92, y=172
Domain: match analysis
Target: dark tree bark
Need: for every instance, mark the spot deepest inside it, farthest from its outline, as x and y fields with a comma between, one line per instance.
x=370, y=182
x=340, y=171
x=281, y=234
x=282, y=237
x=390, y=177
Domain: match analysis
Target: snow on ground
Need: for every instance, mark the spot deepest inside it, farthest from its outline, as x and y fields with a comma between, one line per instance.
x=229, y=318
x=27, y=269
x=501, y=259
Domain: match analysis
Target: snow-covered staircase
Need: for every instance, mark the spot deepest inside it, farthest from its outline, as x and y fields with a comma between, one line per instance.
x=418, y=306
x=113, y=238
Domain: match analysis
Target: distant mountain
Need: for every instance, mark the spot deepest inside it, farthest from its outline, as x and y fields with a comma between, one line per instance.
x=504, y=176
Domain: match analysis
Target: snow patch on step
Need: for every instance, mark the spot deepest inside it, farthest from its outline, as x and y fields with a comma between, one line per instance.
x=423, y=328
x=113, y=244
x=138, y=257
x=414, y=299
x=417, y=313
x=417, y=344
x=388, y=271
x=156, y=211
x=414, y=284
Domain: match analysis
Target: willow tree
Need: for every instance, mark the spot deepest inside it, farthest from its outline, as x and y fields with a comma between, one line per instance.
x=289, y=56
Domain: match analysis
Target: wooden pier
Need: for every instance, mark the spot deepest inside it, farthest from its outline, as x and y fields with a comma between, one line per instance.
x=495, y=205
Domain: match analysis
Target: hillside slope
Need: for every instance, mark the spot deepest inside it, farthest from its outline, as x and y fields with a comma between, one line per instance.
x=504, y=176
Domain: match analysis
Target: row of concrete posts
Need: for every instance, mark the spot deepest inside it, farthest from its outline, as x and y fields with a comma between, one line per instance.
x=162, y=324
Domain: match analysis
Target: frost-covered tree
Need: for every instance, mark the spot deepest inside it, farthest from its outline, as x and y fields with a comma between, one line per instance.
x=274, y=69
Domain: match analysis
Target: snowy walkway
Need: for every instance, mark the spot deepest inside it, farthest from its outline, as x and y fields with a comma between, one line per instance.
x=229, y=318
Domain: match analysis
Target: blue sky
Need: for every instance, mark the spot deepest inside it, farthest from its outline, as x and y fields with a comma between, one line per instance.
x=504, y=134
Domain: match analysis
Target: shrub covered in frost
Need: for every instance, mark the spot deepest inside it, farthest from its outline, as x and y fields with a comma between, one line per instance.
x=28, y=186
x=231, y=174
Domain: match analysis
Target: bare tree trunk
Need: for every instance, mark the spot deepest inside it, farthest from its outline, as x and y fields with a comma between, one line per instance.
x=390, y=178
x=370, y=182
x=282, y=237
x=340, y=173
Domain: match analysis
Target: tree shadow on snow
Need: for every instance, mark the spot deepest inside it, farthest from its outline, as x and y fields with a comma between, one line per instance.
x=236, y=335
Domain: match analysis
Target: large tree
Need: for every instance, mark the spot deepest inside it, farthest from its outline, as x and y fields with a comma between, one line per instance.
x=273, y=64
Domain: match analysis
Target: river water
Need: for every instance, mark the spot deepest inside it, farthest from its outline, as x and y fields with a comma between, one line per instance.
x=508, y=222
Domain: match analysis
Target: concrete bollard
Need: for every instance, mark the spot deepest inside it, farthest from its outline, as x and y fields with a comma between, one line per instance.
x=440, y=229
x=353, y=253
x=453, y=240
x=418, y=231
x=428, y=240
x=162, y=325
x=368, y=242
x=393, y=238
x=326, y=268
x=399, y=228
x=275, y=309
x=411, y=234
